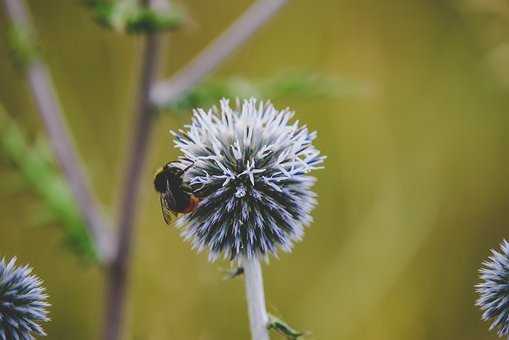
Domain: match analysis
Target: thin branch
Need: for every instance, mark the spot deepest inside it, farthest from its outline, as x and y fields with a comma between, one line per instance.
x=117, y=276
x=255, y=296
x=256, y=15
x=50, y=111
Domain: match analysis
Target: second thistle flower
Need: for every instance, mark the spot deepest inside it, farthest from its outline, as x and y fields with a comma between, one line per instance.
x=23, y=302
x=494, y=290
x=250, y=169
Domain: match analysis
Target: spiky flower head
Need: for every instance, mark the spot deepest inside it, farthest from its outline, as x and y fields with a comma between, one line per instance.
x=494, y=290
x=23, y=303
x=249, y=166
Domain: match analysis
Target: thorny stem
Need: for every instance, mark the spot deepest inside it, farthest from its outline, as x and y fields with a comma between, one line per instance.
x=166, y=92
x=51, y=114
x=255, y=296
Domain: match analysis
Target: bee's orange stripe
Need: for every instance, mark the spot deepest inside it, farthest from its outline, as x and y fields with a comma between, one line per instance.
x=193, y=202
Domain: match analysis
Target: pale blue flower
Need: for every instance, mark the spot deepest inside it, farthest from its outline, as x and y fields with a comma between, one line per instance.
x=250, y=168
x=23, y=305
x=494, y=290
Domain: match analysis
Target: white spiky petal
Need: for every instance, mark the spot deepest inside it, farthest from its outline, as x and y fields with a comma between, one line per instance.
x=494, y=290
x=250, y=170
x=23, y=302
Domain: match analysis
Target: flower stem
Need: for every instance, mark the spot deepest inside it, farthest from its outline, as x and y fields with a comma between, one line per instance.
x=118, y=272
x=255, y=296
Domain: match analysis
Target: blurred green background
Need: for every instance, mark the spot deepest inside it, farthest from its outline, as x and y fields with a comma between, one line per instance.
x=415, y=190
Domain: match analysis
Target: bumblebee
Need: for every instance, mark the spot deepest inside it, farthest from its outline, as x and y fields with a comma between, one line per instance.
x=176, y=197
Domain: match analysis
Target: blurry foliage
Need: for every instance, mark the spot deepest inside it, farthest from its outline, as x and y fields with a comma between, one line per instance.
x=36, y=165
x=299, y=84
x=130, y=17
x=22, y=45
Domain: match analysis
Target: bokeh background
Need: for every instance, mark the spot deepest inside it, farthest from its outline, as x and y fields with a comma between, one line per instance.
x=415, y=190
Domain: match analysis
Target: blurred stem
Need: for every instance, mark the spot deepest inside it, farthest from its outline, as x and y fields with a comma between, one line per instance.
x=166, y=92
x=255, y=296
x=119, y=269
x=48, y=105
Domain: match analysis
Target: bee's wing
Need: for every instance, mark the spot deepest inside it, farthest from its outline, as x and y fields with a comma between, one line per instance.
x=167, y=200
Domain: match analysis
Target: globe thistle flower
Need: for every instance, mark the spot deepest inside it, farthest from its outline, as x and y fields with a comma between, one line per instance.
x=249, y=167
x=22, y=302
x=494, y=290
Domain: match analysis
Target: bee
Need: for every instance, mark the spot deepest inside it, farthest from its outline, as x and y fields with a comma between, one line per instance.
x=176, y=197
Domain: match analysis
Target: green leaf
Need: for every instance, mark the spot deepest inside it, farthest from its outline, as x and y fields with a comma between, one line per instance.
x=283, y=328
x=22, y=45
x=289, y=84
x=130, y=17
x=41, y=175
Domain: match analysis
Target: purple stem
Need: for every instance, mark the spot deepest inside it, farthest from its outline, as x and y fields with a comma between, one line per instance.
x=119, y=270
x=166, y=92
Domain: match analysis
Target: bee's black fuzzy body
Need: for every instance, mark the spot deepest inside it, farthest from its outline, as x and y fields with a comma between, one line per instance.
x=176, y=197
